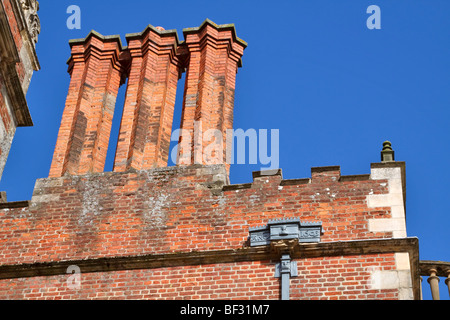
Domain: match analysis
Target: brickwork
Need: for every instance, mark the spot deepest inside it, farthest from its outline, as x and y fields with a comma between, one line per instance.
x=146, y=126
x=342, y=278
x=218, y=281
x=147, y=231
x=320, y=278
x=174, y=210
x=177, y=209
x=153, y=62
x=209, y=91
x=83, y=137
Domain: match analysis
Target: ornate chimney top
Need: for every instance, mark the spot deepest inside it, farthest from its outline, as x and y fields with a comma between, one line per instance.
x=387, y=154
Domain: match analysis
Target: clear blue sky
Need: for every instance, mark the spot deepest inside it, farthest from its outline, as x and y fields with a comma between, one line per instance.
x=335, y=89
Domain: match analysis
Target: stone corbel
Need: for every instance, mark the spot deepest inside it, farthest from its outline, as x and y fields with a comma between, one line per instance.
x=30, y=9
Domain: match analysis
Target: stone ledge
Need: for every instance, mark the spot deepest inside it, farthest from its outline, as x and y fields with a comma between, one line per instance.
x=229, y=26
x=232, y=187
x=267, y=173
x=356, y=177
x=16, y=204
x=325, y=169
x=293, y=182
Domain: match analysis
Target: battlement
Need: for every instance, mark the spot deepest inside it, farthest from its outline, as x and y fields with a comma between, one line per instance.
x=187, y=208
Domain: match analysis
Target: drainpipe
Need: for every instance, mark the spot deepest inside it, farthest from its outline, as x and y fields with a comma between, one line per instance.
x=285, y=269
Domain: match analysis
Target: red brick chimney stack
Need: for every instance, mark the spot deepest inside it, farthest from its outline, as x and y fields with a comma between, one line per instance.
x=83, y=137
x=153, y=63
x=214, y=56
x=146, y=126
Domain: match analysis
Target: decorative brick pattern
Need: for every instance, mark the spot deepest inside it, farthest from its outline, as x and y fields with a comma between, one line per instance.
x=152, y=62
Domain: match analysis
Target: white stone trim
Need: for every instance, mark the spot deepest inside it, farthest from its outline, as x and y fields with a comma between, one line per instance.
x=393, y=200
x=400, y=277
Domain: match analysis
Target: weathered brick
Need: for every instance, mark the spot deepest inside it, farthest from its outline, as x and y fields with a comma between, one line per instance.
x=179, y=216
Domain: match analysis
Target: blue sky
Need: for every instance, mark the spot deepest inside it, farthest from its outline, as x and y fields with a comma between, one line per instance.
x=335, y=89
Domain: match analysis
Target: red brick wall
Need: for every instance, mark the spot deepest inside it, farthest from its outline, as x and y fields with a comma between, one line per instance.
x=218, y=281
x=173, y=210
x=319, y=278
x=345, y=277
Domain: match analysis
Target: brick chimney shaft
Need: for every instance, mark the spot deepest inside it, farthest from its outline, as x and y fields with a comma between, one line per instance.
x=214, y=57
x=153, y=62
x=85, y=128
x=146, y=127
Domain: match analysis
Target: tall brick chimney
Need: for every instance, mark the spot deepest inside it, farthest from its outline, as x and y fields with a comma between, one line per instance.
x=153, y=63
x=83, y=137
x=214, y=56
x=146, y=127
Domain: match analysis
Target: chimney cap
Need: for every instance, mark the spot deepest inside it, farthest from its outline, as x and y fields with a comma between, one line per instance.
x=94, y=33
x=159, y=30
x=229, y=26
